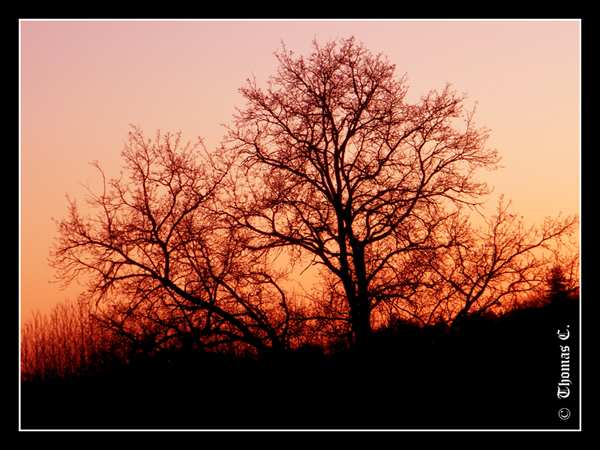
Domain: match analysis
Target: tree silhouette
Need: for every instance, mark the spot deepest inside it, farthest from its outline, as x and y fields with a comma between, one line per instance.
x=489, y=268
x=339, y=167
x=159, y=265
x=562, y=283
x=330, y=166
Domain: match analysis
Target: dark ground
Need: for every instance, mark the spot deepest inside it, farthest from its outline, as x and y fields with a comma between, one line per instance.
x=493, y=375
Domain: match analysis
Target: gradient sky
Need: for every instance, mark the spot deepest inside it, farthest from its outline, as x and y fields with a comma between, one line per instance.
x=82, y=83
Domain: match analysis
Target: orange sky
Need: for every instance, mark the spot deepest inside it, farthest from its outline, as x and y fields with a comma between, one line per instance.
x=83, y=82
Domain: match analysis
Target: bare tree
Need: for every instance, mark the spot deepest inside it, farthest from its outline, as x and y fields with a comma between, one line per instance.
x=338, y=167
x=157, y=261
x=488, y=269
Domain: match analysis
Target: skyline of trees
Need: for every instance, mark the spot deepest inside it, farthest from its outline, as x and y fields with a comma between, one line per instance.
x=330, y=167
x=70, y=342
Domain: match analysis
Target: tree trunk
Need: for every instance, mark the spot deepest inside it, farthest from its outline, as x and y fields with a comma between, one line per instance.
x=361, y=327
x=361, y=320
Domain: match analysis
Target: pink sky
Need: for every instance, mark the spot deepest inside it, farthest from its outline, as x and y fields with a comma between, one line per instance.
x=83, y=82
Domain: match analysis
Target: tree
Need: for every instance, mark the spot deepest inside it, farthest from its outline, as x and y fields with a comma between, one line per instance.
x=159, y=265
x=488, y=269
x=562, y=281
x=338, y=167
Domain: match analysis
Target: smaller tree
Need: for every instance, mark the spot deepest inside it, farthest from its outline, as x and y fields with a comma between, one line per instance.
x=562, y=282
x=160, y=264
x=488, y=269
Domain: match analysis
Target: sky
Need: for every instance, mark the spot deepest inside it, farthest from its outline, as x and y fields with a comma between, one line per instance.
x=84, y=83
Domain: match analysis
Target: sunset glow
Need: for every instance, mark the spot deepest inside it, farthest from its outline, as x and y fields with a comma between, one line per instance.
x=82, y=83
x=300, y=224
